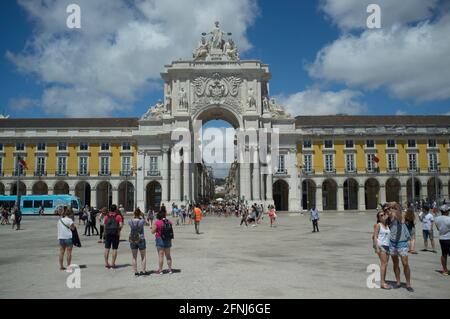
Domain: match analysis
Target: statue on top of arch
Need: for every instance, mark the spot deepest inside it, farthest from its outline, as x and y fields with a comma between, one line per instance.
x=216, y=46
x=155, y=111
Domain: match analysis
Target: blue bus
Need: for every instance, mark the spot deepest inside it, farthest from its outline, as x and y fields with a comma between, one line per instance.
x=29, y=204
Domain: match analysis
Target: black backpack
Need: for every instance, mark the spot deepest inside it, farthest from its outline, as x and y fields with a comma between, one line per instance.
x=111, y=226
x=167, y=230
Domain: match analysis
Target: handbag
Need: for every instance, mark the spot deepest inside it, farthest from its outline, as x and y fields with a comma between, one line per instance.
x=75, y=238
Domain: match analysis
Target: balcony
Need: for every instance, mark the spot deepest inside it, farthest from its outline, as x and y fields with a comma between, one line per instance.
x=40, y=173
x=351, y=171
x=153, y=173
x=332, y=171
x=16, y=173
x=61, y=173
x=308, y=172
x=392, y=170
x=281, y=172
x=83, y=173
x=414, y=170
x=128, y=172
x=373, y=170
x=434, y=170
x=104, y=173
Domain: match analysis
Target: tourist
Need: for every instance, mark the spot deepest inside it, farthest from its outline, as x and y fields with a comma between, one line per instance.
x=5, y=216
x=272, y=215
x=150, y=216
x=427, y=219
x=381, y=238
x=113, y=226
x=17, y=217
x=183, y=215
x=122, y=211
x=410, y=222
x=137, y=241
x=163, y=231
x=88, y=214
x=197, y=218
x=191, y=214
x=176, y=212
x=314, y=218
x=101, y=221
x=398, y=244
x=94, y=213
x=244, y=217
x=65, y=226
x=41, y=211
x=443, y=226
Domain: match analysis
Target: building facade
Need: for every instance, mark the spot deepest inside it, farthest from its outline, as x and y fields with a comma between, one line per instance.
x=331, y=162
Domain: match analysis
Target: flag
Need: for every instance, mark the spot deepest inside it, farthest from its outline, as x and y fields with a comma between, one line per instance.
x=22, y=162
x=375, y=159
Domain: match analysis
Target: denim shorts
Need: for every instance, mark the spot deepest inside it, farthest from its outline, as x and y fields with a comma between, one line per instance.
x=428, y=234
x=163, y=244
x=384, y=249
x=398, y=248
x=141, y=245
x=66, y=242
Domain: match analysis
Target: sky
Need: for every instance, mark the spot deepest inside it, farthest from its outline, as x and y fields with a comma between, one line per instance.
x=323, y=58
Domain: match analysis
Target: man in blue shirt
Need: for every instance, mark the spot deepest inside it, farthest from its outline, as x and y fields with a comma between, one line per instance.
x=314, y=217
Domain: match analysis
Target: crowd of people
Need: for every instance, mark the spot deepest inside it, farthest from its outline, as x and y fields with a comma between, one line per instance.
x=394, y=237
x=11, y=216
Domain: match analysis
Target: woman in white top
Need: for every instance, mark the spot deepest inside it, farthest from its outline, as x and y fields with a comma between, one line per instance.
x=65, y=226
x=381, y=235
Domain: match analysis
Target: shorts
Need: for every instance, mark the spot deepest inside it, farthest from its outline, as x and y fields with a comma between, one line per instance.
x=163, y=244
x=398, y=249
x=384, y=249
x=445, y=247
x=428, y=234
x=412, y=231
x=112, y=240
x=66, y=242
x=141, y=245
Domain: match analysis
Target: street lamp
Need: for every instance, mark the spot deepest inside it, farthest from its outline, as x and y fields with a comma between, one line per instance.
x=436, y=184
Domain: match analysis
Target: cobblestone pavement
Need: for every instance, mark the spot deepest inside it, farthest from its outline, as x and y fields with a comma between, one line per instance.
x=224, y=261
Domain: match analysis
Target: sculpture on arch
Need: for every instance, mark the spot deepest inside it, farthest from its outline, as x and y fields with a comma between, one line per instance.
x=202, y=51
x=155, y=111
x=251, y=101
x=183, y=102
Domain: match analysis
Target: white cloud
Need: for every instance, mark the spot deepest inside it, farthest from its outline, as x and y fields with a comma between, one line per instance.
x=120, y=49
x=352, y=14
x=400, y=112
x=22, y=104
x=317, y=102
x=412, y=62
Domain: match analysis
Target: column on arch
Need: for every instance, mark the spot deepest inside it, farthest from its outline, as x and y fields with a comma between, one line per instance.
x=175, y=178
x=319, y=199
x=340, y=197
x=165, y=176
x=256, y=180
x=361, y=197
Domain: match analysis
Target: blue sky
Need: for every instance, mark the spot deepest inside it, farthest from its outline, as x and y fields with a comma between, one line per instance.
x=392, y=77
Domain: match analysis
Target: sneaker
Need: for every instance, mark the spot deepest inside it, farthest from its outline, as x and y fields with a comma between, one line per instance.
x=445, y=273
x=170, y=272
x=410, y=289
x=136, y=274
x=141, y=273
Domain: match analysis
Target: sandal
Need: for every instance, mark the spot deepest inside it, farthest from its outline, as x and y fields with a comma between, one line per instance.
x=387, y=287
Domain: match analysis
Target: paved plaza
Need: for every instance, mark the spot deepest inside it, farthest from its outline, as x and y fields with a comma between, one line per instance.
x=224, y=261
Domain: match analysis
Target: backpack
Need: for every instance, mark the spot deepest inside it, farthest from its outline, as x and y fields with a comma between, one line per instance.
x=167, y=230
x=111, y=226
x=135, y=236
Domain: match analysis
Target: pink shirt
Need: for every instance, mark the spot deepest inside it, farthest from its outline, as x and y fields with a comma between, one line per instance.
x=159, y=225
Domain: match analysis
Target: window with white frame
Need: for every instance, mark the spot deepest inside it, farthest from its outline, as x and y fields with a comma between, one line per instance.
x=411, y=143
x=432, y=142
x=433, y=162
x=104, y=146
x=62, y=146
x=328, y=144
x=370, y=143
x=392, y=162
x=154, y=165
x=349, y=144
x=20, y=146
x=390, y=143
x=350, y=162
x=281, y=164
x=307, y=162
x=370, y=163
x=82, y=165
x=104, y=165
x=126, y=165
x=62, y=165
x=40, y=165
x=126, y=146
x=41, y=147
x=412, y=161
x=307, y=144
x=84, y=146
x=329, y=163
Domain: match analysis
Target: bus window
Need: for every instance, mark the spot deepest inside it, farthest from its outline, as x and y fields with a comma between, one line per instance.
x=74, y=204
x=37, y=203
x=27, y=204
x=48, y=204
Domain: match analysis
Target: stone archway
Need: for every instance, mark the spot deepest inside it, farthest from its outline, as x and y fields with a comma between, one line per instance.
x=83, y=192
x=309, y=194
x=351, y=187
x=432, y=194
x=61, y=188
x=40, y=188
x=153, y=196
x=281, y=195
x=409, y=189
x=329, y=194
x=372, y=190
x=393, y=187
x=126, y=196
x=22, y=189
x=104, y=195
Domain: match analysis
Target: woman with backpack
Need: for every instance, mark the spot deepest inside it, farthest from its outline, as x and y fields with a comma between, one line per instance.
x=163, y=231
x=137, y=241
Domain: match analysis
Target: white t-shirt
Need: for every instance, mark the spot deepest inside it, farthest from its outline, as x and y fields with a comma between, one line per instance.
x=63, y=231
x=426, y=221
x=443, y=225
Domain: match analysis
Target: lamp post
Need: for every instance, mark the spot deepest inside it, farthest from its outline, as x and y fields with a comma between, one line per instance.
x=436, y=184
